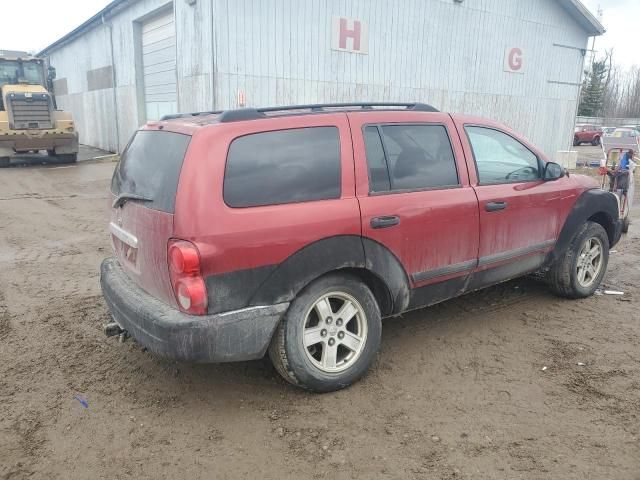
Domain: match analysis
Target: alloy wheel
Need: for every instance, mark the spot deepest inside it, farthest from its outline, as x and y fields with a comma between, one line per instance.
x=335, y=332
x=590, y=262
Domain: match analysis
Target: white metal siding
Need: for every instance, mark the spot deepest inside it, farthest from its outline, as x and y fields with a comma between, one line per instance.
x=435, y=51
x=279, y=52
x=159, y=66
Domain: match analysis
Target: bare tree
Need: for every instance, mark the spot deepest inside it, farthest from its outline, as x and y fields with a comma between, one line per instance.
x=621, y=97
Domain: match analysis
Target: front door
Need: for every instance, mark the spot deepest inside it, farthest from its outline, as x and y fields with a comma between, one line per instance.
x=520, y=214
x=415, y=198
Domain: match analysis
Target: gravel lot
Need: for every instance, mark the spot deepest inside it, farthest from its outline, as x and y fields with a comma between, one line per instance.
x=458, y=390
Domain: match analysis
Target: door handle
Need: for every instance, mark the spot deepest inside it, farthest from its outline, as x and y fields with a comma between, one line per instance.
x=495, y=206
x=385, y=222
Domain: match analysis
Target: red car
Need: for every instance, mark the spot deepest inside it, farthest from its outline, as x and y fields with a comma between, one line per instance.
x=294, y=230
x=587, y=134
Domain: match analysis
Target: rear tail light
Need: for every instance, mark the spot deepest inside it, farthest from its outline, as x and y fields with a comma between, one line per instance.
x=186, y=277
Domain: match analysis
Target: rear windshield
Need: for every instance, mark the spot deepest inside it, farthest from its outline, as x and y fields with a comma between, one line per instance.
x=149, y=168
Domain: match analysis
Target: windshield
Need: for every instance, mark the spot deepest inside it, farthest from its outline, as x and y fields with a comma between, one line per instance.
x=13, y=72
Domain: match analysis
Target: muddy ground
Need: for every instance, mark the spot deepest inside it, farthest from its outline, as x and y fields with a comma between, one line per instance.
x=457, y=391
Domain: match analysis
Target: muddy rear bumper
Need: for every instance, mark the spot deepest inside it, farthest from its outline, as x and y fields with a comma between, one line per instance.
x=226, y=337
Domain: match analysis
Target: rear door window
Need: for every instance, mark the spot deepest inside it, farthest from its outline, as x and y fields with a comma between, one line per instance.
x=150, y=168
x=283, y=166
x=409, y=157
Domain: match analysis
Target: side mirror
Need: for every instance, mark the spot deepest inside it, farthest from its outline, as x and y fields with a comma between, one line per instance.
x=552, y=171
x=51, y=73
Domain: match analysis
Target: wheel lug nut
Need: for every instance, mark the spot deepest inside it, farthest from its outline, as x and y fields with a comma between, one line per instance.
x=329, y=320
x=323, y=332
x=340, y=335
x=339, y=322
x=331, y=341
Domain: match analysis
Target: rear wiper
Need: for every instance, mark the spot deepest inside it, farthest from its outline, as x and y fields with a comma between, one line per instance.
x=124, y=197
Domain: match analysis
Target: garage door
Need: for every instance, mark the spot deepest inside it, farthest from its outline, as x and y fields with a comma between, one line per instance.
x=159, y=66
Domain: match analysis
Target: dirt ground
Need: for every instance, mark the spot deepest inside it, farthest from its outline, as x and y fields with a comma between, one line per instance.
x=458, y=391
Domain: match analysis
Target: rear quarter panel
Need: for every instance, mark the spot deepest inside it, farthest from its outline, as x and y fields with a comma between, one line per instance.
x=259, y=238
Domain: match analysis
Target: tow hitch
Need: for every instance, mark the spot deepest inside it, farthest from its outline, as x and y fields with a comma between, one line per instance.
x=112, y=329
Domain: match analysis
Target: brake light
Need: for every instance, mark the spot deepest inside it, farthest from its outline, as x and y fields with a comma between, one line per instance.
x=186, y=277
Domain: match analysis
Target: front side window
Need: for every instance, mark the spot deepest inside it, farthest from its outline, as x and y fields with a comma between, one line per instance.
x=284, y=166
x=409, y=157
x=501, y=158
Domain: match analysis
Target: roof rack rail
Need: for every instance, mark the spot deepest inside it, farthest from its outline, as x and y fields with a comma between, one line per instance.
x=256, y=113
x=173, y=116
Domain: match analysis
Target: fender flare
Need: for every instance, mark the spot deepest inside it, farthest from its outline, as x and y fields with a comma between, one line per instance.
x=337, y=253
x=307, y=264
x=596, y=204
x=374, y=263
x=382, y=262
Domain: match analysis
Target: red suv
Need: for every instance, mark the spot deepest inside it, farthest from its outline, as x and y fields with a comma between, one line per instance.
x=296, y=229
x=587, y=134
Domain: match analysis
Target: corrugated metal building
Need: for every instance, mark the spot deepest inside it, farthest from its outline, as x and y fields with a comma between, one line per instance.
x=519, y=62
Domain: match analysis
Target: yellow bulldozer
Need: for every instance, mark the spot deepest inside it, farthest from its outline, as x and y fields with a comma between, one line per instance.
x=29, y=119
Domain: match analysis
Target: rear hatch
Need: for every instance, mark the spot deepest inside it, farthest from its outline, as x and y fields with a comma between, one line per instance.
x=143, y=199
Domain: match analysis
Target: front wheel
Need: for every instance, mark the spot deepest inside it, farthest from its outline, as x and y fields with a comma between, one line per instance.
x=578, y=273
x=595, y=142
x=576, y=141
x=329, y=336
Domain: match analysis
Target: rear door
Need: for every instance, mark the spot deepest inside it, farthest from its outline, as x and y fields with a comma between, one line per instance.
x=143, y=199
x=414, y=195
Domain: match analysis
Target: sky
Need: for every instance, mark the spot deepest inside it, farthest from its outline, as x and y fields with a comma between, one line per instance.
x=621, y=18
x=35, y=24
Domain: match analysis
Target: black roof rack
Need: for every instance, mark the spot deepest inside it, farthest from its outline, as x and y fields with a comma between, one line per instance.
x=191, y=114
x=240, y=114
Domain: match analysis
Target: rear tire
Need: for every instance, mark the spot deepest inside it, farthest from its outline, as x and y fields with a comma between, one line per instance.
x=309, y=348
x=580, y=270
x=4, y=162
x=576, y=141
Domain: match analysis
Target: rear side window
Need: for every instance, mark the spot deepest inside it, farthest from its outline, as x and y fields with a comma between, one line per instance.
x=409, y=157
x=284, y=166
x=150, y=168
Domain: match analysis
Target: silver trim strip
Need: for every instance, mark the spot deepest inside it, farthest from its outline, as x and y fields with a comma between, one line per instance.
x=123, y=235
x=517, y=252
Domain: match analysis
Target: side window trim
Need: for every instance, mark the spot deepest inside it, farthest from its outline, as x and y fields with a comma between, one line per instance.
x=475, y=162
x=378, y=127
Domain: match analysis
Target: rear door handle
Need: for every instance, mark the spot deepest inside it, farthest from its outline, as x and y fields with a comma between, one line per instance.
x=495, y=206
x=385, y=222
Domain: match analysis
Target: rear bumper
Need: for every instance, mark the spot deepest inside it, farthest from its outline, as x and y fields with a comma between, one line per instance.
x=25, y=140
x=226, y=337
